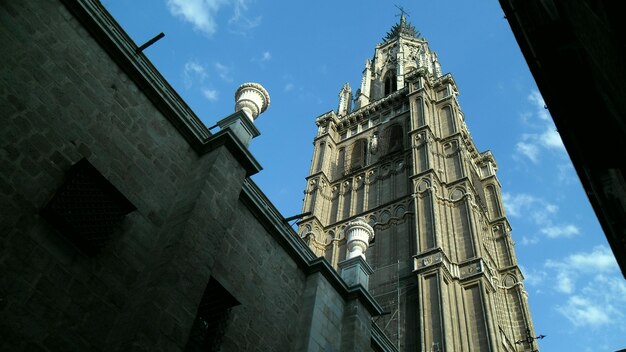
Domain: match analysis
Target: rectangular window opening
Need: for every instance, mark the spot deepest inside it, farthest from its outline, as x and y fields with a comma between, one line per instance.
x=211, y=320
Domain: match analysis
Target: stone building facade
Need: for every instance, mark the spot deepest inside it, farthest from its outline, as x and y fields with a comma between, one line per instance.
x=444, y=265
x=126, y=225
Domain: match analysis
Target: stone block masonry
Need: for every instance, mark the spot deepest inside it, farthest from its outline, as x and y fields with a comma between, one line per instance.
x=72, y=88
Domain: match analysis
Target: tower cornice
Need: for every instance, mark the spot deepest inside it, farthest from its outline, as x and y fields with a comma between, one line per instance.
x=356, y=116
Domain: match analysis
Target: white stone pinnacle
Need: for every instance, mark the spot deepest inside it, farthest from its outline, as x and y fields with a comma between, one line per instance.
x=252, y=99
x=358, y=234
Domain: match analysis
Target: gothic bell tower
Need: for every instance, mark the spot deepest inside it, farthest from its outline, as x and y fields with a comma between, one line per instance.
x=403, y=159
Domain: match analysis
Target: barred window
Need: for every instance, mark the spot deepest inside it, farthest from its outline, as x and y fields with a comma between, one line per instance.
x=87, y=208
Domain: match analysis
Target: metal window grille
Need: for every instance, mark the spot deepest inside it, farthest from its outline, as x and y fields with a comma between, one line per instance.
x=87, y=208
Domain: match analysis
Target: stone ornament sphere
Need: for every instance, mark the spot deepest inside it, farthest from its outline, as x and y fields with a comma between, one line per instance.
x=252, y=98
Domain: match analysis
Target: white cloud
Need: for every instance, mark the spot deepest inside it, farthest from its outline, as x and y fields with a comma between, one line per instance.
x=568, y=230
x=533, y=277
x=529, y=150
x=193, y=71
x=240, y=20
x=541, y=213
x=195, y=68
x=523, y=205
x=566, y=173
x=532, y=144
x=200, y=13
x=210, y=94
x=596, y=293
x=600, y=302
x=527, y=241
x=262, y=58
x=224, y=72
x=514, y=204
x=600, y=260
x=583, y=312
x=536, y=100
x=550, y=138
x=564, y=282
x=289, y=87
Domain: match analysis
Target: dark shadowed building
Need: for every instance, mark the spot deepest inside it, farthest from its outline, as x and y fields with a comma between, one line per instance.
x=576, y=53
x=127, y=225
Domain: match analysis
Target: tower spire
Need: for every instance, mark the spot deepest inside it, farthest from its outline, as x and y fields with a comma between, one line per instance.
x=404, y=164
x=404, y=27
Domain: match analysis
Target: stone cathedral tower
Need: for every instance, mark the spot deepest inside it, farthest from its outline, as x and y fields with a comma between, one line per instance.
x=403, y=160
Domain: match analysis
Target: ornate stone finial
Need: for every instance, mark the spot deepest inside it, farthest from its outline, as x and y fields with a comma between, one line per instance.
x=358, y=234
x=252, y=98
x=345, y=100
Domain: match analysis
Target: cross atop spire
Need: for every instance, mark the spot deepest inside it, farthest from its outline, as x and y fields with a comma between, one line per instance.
x=402, y=13
x=404, y=27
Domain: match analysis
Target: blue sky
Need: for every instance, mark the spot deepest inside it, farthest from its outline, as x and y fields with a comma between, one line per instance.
x=303, y=53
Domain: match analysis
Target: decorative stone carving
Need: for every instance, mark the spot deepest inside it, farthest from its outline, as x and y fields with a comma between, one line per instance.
x=358, y=182
x=420, y=140
x=374, y=143
x=371, y=176
x=428, y=260
x=312, y=186
x=423, y=186
x=457, y=194
x=345, y=100
x=358, y=234
x=470, y=269
x=252, y=98
x=451, y=149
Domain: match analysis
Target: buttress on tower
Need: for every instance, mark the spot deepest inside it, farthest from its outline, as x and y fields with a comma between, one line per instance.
x=403, y=160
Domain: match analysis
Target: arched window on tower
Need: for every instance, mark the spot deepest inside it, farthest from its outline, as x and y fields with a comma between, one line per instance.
x=392, y=139
x=391, y=82
x=357, y=156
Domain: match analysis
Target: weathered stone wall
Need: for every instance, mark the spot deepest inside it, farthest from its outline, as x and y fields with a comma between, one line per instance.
x=267, y=283
x=64, y=98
